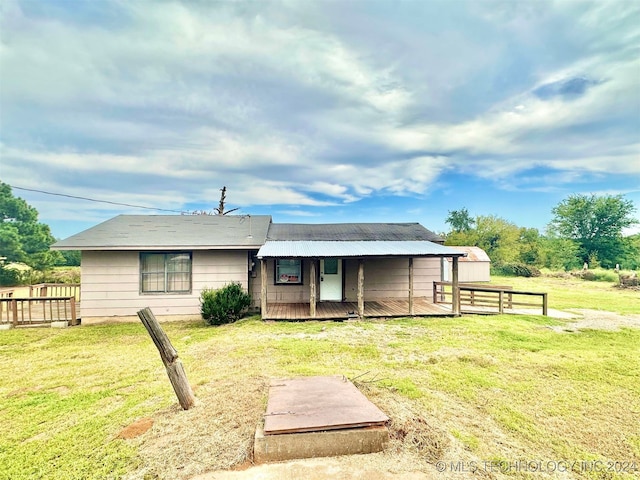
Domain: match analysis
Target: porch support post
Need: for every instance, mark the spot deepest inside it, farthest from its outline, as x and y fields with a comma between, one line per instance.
x=263, y=288
x=411, y=311
x=312, y=288
x=455, y=288
x=361, y=287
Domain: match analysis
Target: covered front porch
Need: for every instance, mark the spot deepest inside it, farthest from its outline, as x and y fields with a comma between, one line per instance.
x=372, y=279
x=387, y=308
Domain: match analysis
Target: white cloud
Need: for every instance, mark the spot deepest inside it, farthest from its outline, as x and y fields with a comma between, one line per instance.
x=316, y=105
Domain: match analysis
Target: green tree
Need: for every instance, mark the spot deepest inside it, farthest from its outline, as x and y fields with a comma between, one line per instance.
x=495, y=235
x=70, y=258
x=468, y=238
x=559, y=253
x=631, y=258
x=22, y=237
x=499, y=238
x=530, y=246
x=595, y=223
x=460, y=220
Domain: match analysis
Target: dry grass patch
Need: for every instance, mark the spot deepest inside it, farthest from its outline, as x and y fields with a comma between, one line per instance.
x=216, y=434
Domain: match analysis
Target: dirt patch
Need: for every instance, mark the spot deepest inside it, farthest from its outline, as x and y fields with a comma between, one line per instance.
x=136, y=428
x=598, y=320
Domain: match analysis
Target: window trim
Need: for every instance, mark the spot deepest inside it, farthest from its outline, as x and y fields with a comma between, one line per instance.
x=275, y=272
x=166, y=272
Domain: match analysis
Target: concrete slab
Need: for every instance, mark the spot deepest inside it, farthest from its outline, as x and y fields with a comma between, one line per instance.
x=277, y=448
x=308, y=404
x=336, y=468
x=6, y=326
x=60, y=324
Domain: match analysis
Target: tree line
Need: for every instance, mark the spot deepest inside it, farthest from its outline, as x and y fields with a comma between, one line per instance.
x=584, y=229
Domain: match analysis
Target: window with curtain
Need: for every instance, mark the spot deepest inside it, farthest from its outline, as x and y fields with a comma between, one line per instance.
x=165, y=272
x=288, y=271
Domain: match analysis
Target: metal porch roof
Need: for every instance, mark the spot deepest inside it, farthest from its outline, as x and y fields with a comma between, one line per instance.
x=345, y=249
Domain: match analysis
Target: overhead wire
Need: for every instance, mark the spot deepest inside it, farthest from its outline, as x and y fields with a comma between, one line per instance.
x=95, y=200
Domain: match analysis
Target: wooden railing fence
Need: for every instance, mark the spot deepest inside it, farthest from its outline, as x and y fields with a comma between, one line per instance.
x=488, y=298
x=37, y=310
x=45, y=303
x=55, y=290
x=6, y=292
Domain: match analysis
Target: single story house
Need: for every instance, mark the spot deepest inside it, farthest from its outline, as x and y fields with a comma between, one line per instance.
x=475, y=267
x=292, y=271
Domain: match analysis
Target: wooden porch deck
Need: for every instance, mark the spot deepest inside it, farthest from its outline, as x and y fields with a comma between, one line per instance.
x=344, y=310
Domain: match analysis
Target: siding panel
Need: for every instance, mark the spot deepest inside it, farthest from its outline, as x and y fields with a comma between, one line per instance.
x=389, y=278
x=111, y=282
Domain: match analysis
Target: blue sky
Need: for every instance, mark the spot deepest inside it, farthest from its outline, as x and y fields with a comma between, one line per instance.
x=319, y=111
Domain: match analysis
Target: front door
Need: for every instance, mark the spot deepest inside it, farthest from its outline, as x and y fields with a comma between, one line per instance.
x=331, y=279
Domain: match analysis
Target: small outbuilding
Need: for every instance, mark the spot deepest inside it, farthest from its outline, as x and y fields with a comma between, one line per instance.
x=475, y=267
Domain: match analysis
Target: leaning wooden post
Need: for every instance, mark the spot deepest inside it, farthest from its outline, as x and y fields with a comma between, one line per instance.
x=169, y=357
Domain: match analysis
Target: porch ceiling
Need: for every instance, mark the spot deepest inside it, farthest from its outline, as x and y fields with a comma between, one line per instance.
x=357, y=249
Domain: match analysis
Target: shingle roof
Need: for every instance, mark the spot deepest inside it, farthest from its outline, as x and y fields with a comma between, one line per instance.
x=352, y=232
x=171, y=232
x=346, y=249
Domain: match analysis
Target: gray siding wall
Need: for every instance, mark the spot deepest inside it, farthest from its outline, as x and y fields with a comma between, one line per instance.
x=389, y=278
x=111, y=282
x=384, y=278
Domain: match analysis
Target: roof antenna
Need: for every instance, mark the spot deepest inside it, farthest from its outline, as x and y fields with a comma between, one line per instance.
x=250, y=235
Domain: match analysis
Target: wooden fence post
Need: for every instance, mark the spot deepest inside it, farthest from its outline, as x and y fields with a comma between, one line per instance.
x=74, y=317
x=169, y=357
x=14, y=306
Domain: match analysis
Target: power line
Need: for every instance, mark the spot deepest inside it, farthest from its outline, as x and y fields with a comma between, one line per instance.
x=94, y=200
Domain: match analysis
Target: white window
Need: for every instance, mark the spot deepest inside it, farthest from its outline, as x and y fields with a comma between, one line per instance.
x=165, y=272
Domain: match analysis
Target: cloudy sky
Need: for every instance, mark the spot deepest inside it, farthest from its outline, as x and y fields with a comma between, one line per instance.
x=319, y=111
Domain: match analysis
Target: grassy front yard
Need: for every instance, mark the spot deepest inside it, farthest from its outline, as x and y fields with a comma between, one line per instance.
x=472, y=389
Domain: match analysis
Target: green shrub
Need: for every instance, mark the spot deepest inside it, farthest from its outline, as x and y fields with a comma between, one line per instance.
x=515, y=270
x=10, y=277
x=224, y=305
x=62, y=275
